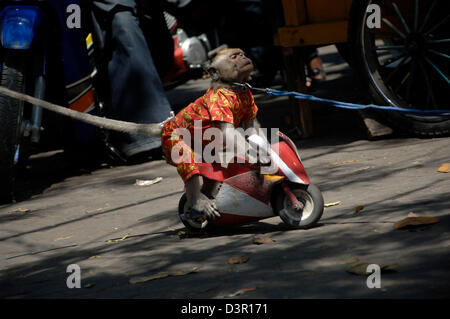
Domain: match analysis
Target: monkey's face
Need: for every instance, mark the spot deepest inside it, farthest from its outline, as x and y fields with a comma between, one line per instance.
x=233, y=66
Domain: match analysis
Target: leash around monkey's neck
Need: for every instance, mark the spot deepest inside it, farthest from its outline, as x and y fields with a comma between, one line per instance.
x=248, y=86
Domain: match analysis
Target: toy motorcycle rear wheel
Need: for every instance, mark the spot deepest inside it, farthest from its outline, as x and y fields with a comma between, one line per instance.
x=312, y=200
x=192, y=225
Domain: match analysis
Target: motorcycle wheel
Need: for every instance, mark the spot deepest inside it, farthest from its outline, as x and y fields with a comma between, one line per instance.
x=11, y=118
x=404, y=63
x=312, y=199
x=191, y=225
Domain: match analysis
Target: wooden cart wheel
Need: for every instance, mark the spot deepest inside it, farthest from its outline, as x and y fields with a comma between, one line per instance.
x=405, y=61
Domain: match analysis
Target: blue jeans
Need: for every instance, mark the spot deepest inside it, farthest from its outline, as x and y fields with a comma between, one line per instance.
x=137, y=94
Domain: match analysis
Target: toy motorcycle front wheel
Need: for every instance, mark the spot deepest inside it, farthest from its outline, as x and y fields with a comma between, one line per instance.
x=192, y=225
x=312, y=201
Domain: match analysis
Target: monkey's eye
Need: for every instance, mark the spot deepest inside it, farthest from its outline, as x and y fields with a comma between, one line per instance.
x=235, y=55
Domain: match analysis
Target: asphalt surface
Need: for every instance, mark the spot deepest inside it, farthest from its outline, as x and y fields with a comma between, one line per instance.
x=129, y=243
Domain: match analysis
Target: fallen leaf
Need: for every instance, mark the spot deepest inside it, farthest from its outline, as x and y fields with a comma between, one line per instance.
x=140, y=279
x=344, y=162
x=63, y=238
x=20, y=210
x=415, y=221
x=262, y=240
x=117, y=240
x=445, y=168
x=350, y=261
x=182, y=272
x=241, y=291
x=140, y=182
x=163, y=274
x=237, y=260
x=358, y=209
x=93, y=257
x=361, y=268
x=332, y=204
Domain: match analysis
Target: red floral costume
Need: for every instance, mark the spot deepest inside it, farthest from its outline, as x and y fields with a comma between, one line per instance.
x=216, y=105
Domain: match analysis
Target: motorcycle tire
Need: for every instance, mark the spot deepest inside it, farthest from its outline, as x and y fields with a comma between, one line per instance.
x=312, y=199
x=11, y=117
x=398, y=74
x=190, y=224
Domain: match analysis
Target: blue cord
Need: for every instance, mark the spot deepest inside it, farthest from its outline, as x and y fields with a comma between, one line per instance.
x=346, y=105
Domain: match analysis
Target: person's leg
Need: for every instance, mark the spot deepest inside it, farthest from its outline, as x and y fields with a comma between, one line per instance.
x=136, y=89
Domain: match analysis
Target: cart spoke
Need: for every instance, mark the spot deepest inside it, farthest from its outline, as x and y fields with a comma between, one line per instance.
x=438, y=24
x=437, y=70
x=438, y=41
x=439, y=53
x=427, y=16
x=416, y=14
x=389, y=47
x=410, y=80
x=407, y=75
x=390, y=25
x=430, y=95
x=400, y=16
x=397, y=68
x=393, y=59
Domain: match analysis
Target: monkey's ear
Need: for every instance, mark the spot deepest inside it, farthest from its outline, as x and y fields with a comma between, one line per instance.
x=213, y=73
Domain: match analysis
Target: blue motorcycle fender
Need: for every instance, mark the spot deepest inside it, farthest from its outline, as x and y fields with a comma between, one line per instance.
x=18, y=25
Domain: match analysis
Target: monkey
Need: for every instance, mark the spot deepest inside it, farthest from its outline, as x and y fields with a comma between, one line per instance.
x=224, y=105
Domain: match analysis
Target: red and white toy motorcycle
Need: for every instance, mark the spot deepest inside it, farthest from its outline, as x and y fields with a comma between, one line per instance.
x=245, y=195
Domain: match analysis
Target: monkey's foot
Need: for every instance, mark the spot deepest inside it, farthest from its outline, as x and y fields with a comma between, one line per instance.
x=196, y=216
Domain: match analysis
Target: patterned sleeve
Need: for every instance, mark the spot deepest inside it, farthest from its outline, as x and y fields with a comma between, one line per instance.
x=219, y=107
x=251, y=111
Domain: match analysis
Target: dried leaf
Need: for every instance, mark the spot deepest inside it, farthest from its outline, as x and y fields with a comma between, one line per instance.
x=445, y=168
x=415, y=221
x=241, y=291
x=117, y=240
x=182, y=272
x=237, y=260
x=20, y=210
x=63, y=238
x=344, y=162
x=93, y=257
x=350, y=261
x=140, y=279
x=262, y=240
x=358, y=209
x=163, y=274
x=361, y=268
x=140, y=182
x=332, y=204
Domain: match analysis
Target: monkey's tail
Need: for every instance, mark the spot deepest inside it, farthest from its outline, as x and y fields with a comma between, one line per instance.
x=151, y=129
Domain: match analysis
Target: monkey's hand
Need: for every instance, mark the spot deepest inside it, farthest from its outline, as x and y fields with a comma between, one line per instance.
x=203, y=204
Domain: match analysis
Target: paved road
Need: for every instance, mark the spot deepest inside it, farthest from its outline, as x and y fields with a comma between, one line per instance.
x=126, y=238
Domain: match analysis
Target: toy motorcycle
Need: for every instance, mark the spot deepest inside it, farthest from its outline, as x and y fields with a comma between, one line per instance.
x=245, y=195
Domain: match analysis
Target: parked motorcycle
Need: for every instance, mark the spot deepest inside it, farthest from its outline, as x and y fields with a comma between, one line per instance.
x=245, y=195
x=43, y=50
